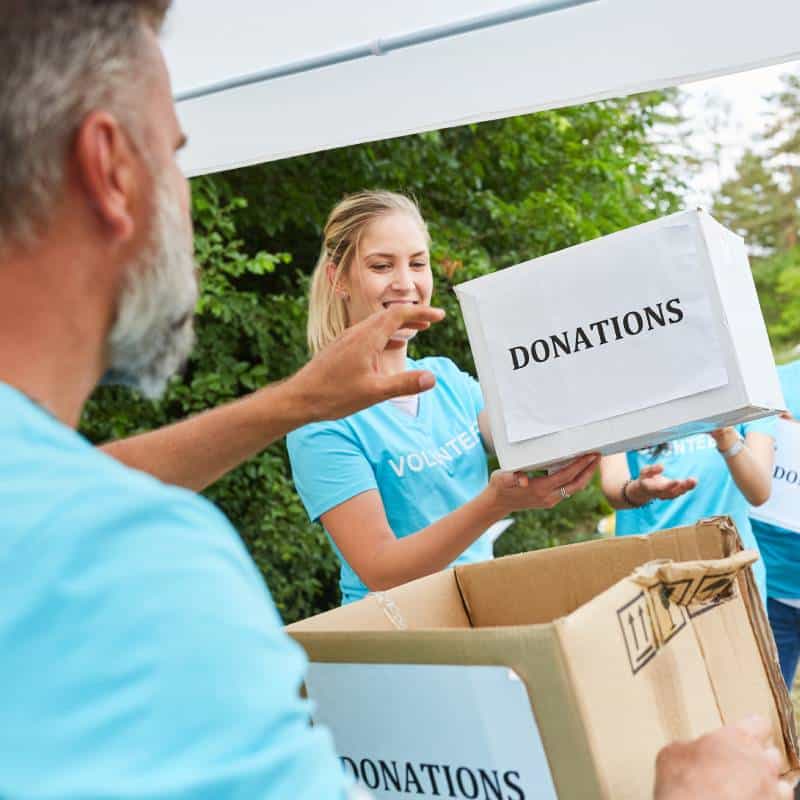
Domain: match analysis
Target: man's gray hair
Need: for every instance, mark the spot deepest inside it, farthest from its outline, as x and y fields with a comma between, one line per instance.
x=59, y=60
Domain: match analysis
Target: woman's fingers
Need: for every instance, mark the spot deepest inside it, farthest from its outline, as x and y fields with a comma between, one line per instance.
x=581, y=480
x=670, y=489
x=568, y=473
x=546, y=491
x=650, y=471
x=578, y=482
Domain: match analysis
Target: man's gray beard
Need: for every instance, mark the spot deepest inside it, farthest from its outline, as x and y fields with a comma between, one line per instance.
x=153, y=333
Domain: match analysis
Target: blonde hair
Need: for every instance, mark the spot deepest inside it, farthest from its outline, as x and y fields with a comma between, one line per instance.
x=327, y=311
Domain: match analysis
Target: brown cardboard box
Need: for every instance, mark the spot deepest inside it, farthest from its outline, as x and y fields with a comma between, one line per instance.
x=618, y=655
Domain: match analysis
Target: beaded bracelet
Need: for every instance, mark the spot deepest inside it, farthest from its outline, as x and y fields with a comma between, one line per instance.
x=628, y=499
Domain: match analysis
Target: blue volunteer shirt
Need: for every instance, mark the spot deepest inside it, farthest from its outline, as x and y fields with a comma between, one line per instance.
x=142, y=656
x=780, y=547
x=715, y=494
x=424, y=467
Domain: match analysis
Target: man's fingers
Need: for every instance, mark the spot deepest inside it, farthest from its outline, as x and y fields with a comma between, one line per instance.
x=757, y=728
x=409, y=316
x=411, y=382
x=774, y=757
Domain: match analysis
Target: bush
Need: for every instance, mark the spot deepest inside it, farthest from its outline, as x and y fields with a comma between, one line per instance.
x=493, y=194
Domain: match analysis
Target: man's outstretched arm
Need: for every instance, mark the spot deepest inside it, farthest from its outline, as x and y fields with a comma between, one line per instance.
x=340, y=380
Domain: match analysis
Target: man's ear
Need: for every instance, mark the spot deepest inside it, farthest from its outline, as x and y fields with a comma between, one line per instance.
x=108, y=171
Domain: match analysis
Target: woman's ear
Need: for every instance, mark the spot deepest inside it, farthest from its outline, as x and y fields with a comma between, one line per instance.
x=330, y=270
x=336, y=282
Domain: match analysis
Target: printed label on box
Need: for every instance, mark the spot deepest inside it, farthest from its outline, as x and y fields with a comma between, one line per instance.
x=609, y=327
x=415, y=730
x=783, y=507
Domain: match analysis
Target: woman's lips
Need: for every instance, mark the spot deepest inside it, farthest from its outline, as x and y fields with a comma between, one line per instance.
x=388, y=303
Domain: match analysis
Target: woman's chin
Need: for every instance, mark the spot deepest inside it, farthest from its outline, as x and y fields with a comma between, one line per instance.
x=401, y=338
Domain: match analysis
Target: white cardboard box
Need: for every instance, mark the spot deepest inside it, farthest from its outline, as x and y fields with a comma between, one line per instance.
x=620, y=343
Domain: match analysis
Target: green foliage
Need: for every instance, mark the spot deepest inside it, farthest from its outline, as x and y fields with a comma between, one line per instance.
x=778, y=279
x=574, y=520
x=762, y=204
x=752, y=204
x=493, y=194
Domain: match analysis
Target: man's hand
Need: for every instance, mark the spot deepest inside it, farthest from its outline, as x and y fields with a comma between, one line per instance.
x=346, y=376
x=737, y=762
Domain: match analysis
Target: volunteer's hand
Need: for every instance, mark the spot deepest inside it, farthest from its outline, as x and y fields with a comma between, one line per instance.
x=515, y=491
x=652, y=484
x=737, y=762
x=345, y=377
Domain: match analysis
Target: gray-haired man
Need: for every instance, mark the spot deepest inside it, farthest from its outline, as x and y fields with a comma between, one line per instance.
x=142, y=656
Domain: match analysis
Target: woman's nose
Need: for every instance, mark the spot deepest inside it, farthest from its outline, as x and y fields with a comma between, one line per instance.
x=403, y=281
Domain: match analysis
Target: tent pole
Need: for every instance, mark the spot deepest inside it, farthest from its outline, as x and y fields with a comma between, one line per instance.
x=380, y=47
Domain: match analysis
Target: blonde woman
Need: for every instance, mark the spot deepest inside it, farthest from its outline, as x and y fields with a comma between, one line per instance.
x=402, y=488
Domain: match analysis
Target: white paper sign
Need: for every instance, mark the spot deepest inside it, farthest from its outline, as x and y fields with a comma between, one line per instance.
x=496, y=530
x=405, y=731
x=783, y=506
x=602, y=329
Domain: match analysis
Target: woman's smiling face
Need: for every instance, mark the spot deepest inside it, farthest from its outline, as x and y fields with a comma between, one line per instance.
x=392, y=266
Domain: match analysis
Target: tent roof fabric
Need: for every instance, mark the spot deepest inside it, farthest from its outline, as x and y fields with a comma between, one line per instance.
x=595, y=50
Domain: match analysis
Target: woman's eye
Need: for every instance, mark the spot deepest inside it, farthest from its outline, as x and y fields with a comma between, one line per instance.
x=381, y=266
x=419, y=264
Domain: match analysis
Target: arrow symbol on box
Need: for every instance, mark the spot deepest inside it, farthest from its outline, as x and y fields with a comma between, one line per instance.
x=632, y=624
x=644, y=628
x=712, y=588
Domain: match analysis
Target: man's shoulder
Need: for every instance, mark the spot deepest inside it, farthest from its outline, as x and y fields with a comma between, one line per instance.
x=60, y=491
x=83, y=473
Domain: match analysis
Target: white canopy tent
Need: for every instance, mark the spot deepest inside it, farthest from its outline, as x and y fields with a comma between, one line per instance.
x=259, y=81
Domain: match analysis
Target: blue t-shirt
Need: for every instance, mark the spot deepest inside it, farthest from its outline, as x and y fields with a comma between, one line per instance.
x=716, y=492
x=780, y=548
x=142, y=656
x=424, y=467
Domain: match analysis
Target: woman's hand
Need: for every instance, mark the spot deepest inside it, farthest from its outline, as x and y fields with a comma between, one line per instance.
x=516, y=491
x=725, y=438
x=751, y=464
x=652, y=484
